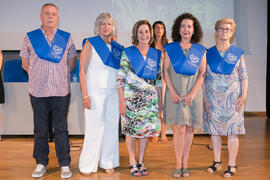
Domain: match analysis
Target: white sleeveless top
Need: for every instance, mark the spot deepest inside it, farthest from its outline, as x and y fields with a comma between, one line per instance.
x=98, y=74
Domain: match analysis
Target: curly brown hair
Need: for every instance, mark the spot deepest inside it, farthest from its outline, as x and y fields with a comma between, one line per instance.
x=196, y=36
x=135, y=29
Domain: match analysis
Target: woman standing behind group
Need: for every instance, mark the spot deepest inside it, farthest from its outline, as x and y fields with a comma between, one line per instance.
x=226, y=86
x=98, y=72
x=139, y=89
x=184, y=71
x=160, y=39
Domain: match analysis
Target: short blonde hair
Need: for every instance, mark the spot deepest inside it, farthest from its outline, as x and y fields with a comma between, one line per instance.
x=135, y=28
x=100, y=20
x=226, y=21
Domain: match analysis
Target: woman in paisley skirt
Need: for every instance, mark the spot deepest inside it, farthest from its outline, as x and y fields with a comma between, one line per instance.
x=225, y=93
x=139, y=95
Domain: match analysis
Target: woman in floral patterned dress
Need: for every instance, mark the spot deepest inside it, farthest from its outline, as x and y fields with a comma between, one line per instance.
x=225, y=94
x=139, y=94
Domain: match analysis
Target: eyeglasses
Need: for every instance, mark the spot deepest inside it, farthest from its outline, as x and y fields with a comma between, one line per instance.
x=224, y=29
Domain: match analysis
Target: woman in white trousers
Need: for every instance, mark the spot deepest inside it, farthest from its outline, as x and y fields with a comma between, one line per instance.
x=100, y=100
x=101, y=139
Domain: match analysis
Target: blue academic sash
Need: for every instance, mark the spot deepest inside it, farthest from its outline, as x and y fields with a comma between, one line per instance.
x=53, y=53
x=146, y=69
x=225, y=64
x=109, y=58
x=116, y=52
x=182, y=64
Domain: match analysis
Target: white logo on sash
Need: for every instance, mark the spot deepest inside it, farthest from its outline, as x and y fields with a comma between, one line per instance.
x=116, y=52
x=230, y=59
x=57, y=49
x=151, y=64
x=193, y=60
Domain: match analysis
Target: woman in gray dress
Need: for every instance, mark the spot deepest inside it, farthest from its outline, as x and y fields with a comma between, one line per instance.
x=184, y=72
x=226, y=86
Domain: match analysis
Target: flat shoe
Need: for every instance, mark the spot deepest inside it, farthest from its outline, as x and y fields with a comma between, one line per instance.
x=110, y=171
x=143, y=169
x=185, y=171
x=230, y=172
x=134, y=171
x=214, y=167
x=176, y=173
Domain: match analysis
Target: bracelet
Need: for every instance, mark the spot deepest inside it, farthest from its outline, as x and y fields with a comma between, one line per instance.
x=85, y=97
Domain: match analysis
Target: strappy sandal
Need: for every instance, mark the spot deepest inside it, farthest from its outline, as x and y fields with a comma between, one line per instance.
x=143, y=170
x=185, y=171
x=176, y=173
x=228, y=171
x=214, y=167
x=134, y=171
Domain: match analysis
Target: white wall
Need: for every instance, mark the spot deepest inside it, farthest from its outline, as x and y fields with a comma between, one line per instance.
x=251, y=21
x=77, y=17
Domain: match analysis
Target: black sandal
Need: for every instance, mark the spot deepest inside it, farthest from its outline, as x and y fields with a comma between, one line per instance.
x=215, y=166
x=229, y=171
x=135, y=171
x=143, y=170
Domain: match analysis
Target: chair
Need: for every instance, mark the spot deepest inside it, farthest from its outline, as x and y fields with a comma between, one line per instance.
x=74, y=75
x=13, y=71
